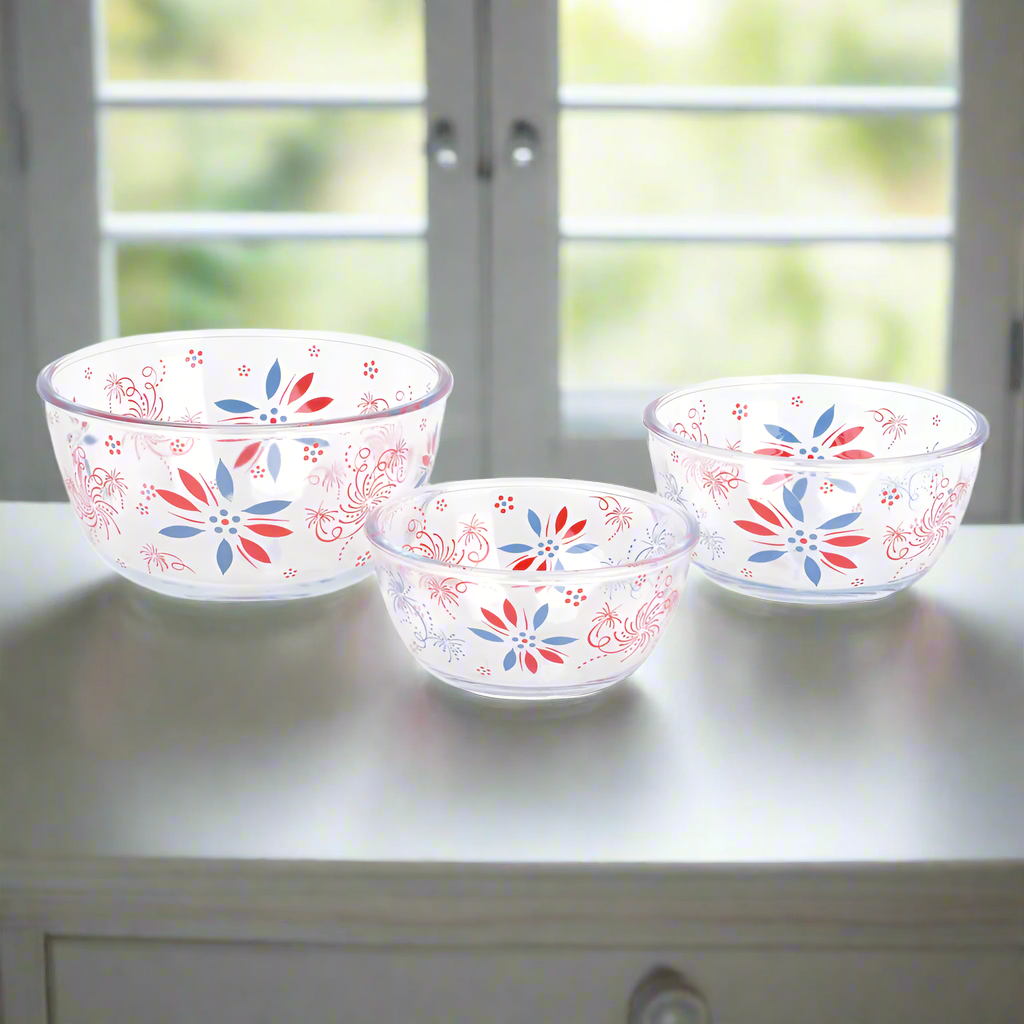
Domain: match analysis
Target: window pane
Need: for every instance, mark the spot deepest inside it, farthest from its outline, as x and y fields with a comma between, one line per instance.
x=376, y=288
x=662, y=316
x=366, y=162
x=760, y=42
x=269, y=40
x=769, y=164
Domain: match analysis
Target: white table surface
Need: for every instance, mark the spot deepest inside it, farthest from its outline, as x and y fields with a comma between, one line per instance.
x=136, y=727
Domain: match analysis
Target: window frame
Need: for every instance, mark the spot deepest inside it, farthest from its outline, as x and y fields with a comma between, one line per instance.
x=597, y=434
x=60, y=244
x=493, y=232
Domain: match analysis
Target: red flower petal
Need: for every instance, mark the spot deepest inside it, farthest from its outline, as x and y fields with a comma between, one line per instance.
x=761, y=531
x=847, y=541
x=531, y=662
x=268, y=530
x=561, y=519
x=774, y=451
x=300, y=388
x=494, y=620
x=523, y=563
x=765, y=512
x=314, y=405
x=177, y=500
x=575, y=529
x=854, y=453
x=253, y=550
x=510, y=612
x=776, y=478
x=846, y=437
x=550, y=655
x=838, y=561
x=543, y=565
x=195, y=488
x=247, y=454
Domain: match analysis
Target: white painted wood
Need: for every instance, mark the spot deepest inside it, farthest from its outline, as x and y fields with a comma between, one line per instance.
x=989, y=226
x=164, y=982
x=759, y=231
x=190, y=227
x=524, y=239
x=263, y=95
x=456, y=269
x=22, y=976
x=888, y=734
x=49, y=221
x=874, y=100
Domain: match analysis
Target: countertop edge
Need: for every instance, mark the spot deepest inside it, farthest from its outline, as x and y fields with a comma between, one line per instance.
x=441, y=904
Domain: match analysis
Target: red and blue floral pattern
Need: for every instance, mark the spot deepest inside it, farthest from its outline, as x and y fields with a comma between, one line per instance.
x=524, y=643
x=551, y=544
x=779, y=535
x=291, y=401
x=200, y=512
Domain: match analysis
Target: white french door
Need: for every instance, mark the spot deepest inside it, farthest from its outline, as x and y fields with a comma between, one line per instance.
x=577, y=204
x=670, y=225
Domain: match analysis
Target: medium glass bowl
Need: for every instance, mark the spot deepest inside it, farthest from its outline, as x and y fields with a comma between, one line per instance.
x=241, y=465
x=816, y=489
x=527, y=588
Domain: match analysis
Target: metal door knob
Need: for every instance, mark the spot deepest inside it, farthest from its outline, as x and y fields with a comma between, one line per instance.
x=665, y=997
x=441, y=145
x=523, y=145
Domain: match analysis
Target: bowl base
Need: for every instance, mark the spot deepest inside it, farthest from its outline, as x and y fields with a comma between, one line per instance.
x=567, y=698
x=273, y=590
x=817, y=598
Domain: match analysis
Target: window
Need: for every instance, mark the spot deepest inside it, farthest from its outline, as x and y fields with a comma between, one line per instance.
x=632, y=195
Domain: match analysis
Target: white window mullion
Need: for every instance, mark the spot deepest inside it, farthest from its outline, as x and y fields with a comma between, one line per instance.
x=989, y=219
x=456, y=270
x=524, y=297
x=49, y=219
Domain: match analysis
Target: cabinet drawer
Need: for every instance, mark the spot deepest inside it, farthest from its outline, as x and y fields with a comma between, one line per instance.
x=122, y=982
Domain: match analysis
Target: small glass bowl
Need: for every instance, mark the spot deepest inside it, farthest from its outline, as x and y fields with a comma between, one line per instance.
x=531, y=588
x=241, y=465
x=815, y=490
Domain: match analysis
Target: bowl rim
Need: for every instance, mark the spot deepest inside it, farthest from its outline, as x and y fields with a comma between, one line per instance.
x=533, y=577
x=45, y=389
x=655, y=426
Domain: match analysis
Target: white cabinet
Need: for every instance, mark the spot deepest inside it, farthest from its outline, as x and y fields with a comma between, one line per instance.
x=118, y=982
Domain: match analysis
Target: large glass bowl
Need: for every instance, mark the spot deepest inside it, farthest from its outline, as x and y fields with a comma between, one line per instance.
x=816, y=489
x=241, y=465
x=531, y=589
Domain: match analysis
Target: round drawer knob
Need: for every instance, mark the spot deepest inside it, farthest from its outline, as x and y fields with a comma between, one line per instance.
x=665, y=997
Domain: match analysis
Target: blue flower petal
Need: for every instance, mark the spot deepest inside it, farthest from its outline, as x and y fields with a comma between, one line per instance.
x=578, y=549
x=800, y=487
x=781, y=433
x=225, y=484
x=516, y=549
x=844, y=485
x=840, y=521
x=557, y=641
x=486, y=634
x=812, y=570
x=233, y=405
x=789, y=499
x=539, y=616
x=224, y=556
x=180, y=531
x=266, y=508
x=510, y=660
x=534, y=521
x=274, y=460
x=314, y=440
x=824, y=421
x=273, y=379
x=765, y=556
